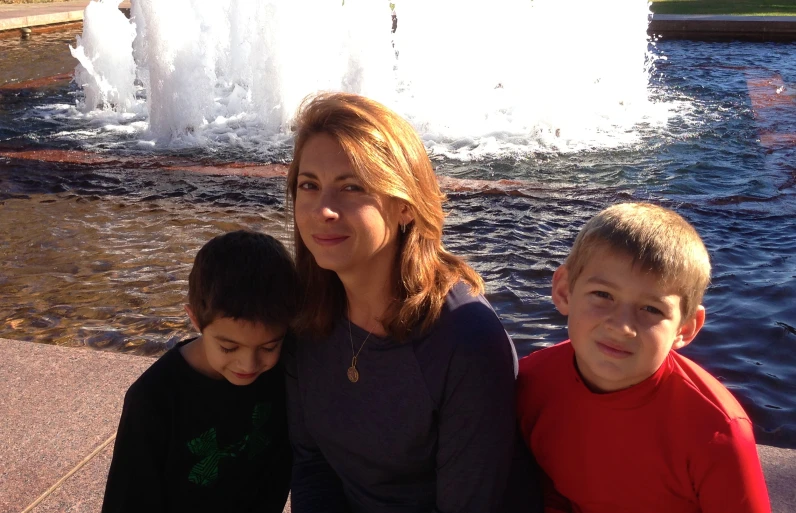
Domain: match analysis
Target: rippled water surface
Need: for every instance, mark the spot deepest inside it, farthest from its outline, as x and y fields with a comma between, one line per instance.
x=98, y=253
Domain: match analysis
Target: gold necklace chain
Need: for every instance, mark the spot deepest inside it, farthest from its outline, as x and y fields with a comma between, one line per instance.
x=353, y=373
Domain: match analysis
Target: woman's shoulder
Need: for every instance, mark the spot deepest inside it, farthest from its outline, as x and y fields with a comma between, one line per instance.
x=465, y=311
x=468, y=325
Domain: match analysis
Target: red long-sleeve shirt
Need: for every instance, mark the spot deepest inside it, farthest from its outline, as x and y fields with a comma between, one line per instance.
x=677, y=442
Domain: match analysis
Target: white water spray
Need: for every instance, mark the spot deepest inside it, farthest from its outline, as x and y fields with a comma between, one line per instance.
x=106, y=71
x=475, y=78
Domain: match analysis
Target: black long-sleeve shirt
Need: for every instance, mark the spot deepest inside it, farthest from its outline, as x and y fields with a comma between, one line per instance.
x=429, y=426
x=187, y=442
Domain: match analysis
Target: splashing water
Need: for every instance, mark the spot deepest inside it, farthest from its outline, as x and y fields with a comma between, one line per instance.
x=106, y=71
x=510, y=77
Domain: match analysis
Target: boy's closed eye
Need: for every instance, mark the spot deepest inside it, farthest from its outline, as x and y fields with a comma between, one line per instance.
x=268, y=348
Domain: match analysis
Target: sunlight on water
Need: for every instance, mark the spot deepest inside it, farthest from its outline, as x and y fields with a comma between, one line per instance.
x=512, y=77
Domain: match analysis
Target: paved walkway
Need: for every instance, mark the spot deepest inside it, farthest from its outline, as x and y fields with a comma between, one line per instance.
x=17, y=16
x=698, y=26
x=59, y=408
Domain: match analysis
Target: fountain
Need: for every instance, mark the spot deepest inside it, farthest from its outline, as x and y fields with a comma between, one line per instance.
x=474, y=80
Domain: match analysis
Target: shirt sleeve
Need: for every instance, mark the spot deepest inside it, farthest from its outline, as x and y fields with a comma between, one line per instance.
x=315, y=486
x=477, y=421
x=730, y=479
x=135, y=479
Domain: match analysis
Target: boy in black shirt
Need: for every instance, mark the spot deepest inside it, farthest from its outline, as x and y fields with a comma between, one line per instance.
x=204, y=428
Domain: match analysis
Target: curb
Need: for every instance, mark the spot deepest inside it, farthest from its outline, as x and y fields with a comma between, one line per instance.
x=701, y=27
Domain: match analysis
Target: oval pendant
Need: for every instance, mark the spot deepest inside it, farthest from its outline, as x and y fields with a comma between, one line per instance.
x=353, y=374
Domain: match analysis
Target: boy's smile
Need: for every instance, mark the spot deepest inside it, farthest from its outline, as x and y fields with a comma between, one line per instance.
x=622, y=321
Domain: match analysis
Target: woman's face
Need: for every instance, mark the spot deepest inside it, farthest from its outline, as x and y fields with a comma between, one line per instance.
x=348, y=229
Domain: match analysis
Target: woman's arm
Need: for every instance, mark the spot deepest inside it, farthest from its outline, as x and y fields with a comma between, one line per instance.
x=315, y=487
x=476, y=418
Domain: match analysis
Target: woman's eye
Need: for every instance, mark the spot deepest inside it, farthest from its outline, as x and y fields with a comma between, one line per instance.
x=307, y=186
x=352, y=187
x=228, y=349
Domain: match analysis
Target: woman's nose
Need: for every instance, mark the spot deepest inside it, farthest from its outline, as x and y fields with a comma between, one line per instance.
x=329, y=213
x=328, y=208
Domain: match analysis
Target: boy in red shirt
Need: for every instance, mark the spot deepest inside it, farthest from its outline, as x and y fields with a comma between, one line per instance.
x=618, y=421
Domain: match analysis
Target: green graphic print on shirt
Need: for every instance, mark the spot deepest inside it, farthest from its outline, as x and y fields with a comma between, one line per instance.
x=205, y=447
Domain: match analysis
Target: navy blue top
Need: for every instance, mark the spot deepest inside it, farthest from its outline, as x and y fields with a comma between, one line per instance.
x=429, y=426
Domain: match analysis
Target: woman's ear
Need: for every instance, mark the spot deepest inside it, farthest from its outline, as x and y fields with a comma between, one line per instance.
x=407, y=214
x=689, y=329
x=561, y=292
x=192, y=317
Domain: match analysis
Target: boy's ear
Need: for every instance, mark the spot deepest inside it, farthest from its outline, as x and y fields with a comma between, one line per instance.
x=561, y=292
x=191, y=316
x=690, y=328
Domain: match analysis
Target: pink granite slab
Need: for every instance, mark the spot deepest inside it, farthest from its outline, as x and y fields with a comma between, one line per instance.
x=57, y=405
x=779, y=466
x=81, y=492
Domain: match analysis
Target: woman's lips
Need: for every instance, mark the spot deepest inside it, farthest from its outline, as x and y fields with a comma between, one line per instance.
x=613, y=351
x=328, y=240
x=244, y=376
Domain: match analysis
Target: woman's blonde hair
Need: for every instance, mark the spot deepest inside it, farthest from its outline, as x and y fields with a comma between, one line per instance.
x=657, y=239
x=388, y=157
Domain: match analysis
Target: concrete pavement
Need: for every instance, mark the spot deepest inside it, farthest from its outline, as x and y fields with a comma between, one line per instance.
x=18, y=16
x=698, y=26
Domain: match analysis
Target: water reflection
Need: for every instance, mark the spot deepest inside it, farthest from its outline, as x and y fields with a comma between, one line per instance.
x=107, y=272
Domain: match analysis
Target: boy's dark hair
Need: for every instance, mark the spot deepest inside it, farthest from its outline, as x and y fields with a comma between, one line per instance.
x=243, y=275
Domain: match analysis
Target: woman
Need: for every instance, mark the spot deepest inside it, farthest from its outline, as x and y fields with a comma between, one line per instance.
x=401, y=384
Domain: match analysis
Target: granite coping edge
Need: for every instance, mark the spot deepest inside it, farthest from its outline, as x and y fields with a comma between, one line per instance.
x=60, y=406
x=40, y=19
x=20, y=16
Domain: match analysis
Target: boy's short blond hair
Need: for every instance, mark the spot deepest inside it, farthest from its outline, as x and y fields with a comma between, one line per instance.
x=658, y=240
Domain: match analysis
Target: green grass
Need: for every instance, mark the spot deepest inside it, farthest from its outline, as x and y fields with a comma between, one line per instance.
x=733, y=7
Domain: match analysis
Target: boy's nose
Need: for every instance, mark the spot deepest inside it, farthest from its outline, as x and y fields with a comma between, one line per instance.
x=622, y=321
x=248, y=363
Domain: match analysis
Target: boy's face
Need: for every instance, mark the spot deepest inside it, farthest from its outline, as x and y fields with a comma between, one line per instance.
x=622, y=322
x=238, y=350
